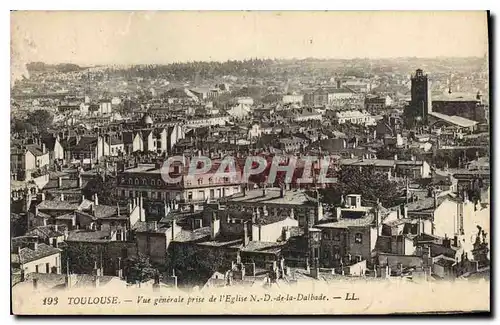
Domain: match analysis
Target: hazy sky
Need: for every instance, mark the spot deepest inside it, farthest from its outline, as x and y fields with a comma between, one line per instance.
x=160, y=37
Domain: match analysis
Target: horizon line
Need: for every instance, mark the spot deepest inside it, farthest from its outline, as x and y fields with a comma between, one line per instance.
x=89, y=65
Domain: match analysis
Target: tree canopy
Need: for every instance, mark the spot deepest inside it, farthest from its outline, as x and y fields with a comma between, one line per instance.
x=41, y=119
x=367, y=182
x=140, y=269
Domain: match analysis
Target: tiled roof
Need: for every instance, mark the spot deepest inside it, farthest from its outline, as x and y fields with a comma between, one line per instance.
x=45, y=232
x=57, y=205
x=145, y=227
x=27, y=254
x=35, y=150
x=88, y=236
x=262, y=247
x=195, y=235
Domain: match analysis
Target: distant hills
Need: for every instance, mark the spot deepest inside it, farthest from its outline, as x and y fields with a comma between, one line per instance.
x=43, y=67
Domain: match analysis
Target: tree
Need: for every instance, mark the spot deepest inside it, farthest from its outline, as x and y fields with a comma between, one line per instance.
x=140, y=269
x=20, y=126
x=105, y=190
x=41, y=119
x=82, y=257
x=367, y=182
x=18, y=224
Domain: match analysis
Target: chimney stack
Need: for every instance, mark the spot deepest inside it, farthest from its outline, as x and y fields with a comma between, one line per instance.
x=96, y=281
x=214, y=226
x=142, y=216
x=44, y=149
x=96, y=199
x=59, y=182
x=246, y=239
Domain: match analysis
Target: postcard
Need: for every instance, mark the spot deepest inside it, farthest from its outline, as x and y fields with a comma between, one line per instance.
x=249, y=162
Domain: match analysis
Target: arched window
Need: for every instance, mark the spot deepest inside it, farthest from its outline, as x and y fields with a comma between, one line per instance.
x=144, y=181
x=153, y=182
x=130, y=181
x=136, y=181
x=358, y=238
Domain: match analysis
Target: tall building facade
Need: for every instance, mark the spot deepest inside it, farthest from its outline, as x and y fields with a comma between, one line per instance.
x=421, y=102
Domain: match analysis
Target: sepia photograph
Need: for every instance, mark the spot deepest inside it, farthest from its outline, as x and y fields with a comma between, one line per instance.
x=250, y=162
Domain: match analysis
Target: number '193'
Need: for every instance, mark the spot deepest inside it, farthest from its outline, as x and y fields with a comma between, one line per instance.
x=50, y=301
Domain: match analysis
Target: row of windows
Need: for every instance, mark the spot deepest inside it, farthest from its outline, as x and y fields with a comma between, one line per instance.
x=358, y=237
x=159, y=182
x=213, y=193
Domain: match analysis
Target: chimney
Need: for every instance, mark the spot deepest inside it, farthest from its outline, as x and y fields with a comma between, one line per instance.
x=142, y=216
x=174, y=279
x=214, y=226
x=156, y=284
x=44, y=149
x=264, y=190
x=96, y=199
x=79, y=180
x=338, y=213
x=435, y=199
x=395, y=157
x=246, y=239
x=59, y=182
x=315, y=269
x=62, y=196
x=120, y=270
x=33, y=245
x=446, y=241
x=96, y=281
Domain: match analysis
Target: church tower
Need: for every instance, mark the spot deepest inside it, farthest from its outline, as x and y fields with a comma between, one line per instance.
x=421, y=103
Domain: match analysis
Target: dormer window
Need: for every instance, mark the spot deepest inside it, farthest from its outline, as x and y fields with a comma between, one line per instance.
x=358, y=238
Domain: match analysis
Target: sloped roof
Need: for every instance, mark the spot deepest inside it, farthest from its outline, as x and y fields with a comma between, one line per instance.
x=454, y=119
x=27, y=254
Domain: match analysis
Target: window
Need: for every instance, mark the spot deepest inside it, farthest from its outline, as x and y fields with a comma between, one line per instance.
x=130, y=181
x=200, y=181
x=123, y=193
x=144, y=181
x=358, y=238
x=153, y=182
x=190, y=196
x=210, y=180
x=136, y=181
